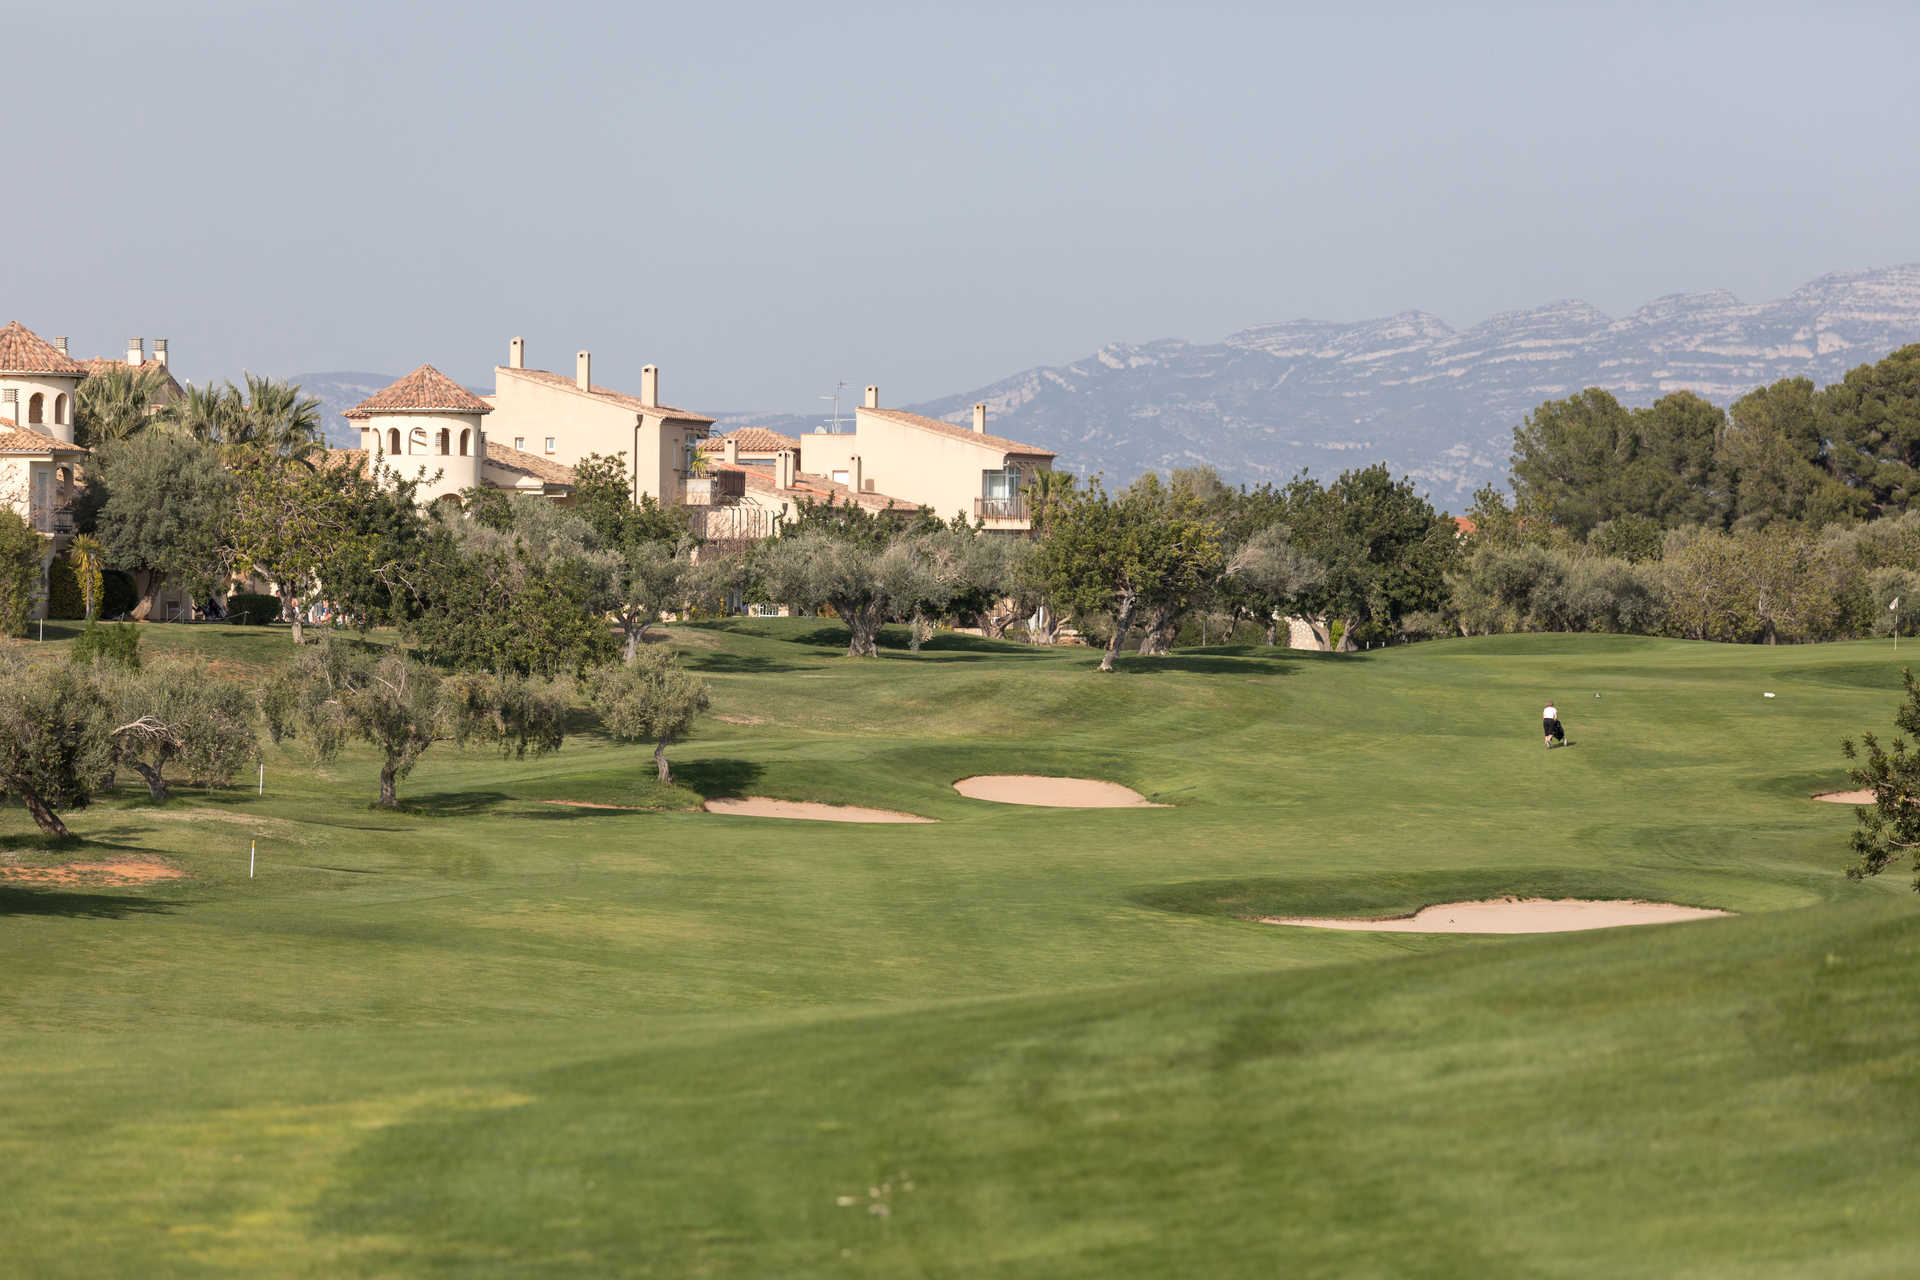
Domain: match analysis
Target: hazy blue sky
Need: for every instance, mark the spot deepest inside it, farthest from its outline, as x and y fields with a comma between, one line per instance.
x=766, y=198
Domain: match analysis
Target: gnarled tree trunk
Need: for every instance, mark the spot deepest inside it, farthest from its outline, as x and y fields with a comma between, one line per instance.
x=1346, y=644
x=1122, y=624
x=660, y=760
x=1157, y=639
x=389, y=786
x=291, y=607
x=156, y=783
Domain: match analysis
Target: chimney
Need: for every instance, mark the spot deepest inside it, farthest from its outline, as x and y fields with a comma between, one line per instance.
x=980, y=419
x=649, y=385
x=60, y=345
x=517, y=354
x=583, y=371
x=730, y=450
x=873, y=397
x=853, y=473
x=160, y=352
x=136, y=351
x=783, y=469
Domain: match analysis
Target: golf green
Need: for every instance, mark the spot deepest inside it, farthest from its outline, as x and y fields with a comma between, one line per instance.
x=492, y=1034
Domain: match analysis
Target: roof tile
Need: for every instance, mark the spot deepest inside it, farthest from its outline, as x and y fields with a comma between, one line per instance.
x=939, y=427
x=425, y=390
x=620, y=398
x=24, y=351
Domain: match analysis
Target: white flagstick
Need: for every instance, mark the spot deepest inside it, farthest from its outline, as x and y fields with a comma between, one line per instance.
x=263, y=777
x=1894, y=609
x=252, y=847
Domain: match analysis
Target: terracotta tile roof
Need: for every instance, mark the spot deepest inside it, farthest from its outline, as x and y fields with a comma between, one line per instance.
x=24, y=351
x=751, y=440
x=351, y=459
x=620, y=398
x=935, y=425
x=100, y=364
x=425, y=390
x=18, y=439
x=543, y=469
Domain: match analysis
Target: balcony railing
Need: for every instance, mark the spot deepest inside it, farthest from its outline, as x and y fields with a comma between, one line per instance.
x=1000, y=508
x=714, y=489
x=50, y=519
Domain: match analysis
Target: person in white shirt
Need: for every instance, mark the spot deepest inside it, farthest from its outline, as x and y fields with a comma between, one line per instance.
x=1550, y=723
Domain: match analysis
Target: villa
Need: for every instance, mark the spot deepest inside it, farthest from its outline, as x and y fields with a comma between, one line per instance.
x=39, y=462
x=426, y=427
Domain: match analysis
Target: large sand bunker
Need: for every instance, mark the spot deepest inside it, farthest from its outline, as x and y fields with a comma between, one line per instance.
x=1516, y=915
x=1862, y=796
x=119, y=872
x=766, y=807
x=1054, y=793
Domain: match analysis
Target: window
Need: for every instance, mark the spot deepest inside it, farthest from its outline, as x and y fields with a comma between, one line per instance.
x=60, y=410
x=464, y=438
x=549, y=444
x=843, y=477
x=446, y=447
x=393, y=442
x=417, y=440
x=520, y=442
x=36, y=405
x=1000, y=485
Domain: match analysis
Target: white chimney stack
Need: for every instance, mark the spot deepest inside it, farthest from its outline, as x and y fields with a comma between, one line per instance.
x=60, y=345
x=517, y=354
x=583, y=371
x=160, y=352
x=853, y=474
x=650, y=385
x=136, y=351
x=783, y=469
x=730, y=450
x=980, y=419
x=873, y=397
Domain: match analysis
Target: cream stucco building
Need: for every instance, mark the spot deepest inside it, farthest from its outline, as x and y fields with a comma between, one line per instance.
x=39, y=463
x=428, y=428
x=563, y=419
x=953, y=469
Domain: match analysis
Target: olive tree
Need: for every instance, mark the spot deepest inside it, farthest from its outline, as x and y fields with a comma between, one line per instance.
x=648, y=698
x=171, y=715
x=1890, y=825
x=333, y=693
x=53, y=737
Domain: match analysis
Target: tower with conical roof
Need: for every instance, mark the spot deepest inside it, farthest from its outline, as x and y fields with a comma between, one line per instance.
x=38, y=382
x=426, y=426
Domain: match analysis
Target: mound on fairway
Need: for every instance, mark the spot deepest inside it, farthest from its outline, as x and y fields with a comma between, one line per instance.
x=1516, y=915
x=1862, y=796
x=1052, y=793
x=766, y=807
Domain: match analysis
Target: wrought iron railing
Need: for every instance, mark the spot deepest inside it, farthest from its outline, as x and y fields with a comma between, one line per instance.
x=1000, y=508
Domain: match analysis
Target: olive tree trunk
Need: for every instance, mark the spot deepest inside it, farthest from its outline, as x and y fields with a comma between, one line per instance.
x=660, y=765
x=156, y=783
x=43, y=817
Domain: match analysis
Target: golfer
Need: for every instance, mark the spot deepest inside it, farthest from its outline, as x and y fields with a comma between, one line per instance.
x=1550, y=725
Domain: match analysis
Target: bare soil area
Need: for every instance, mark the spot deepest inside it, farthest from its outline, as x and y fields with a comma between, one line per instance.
x=118, y=872
x=1053, y=793
x=1515, y=915
x=805, y=810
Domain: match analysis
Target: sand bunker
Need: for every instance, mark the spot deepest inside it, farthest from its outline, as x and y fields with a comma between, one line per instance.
x=1516, y=915
x=766, y=807
x=1053, y=793
x=124, y=871
x=1862, y=796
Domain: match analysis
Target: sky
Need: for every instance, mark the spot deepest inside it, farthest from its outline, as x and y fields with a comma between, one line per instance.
x=767, y=199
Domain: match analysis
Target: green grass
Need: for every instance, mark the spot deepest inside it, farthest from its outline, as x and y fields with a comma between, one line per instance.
x=495, y=1036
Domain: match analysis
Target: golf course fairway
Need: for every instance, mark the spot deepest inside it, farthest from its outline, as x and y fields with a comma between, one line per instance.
x=552, y=1019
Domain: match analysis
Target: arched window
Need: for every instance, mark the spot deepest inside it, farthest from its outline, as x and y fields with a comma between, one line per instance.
x=393, y=442
x=464, y=435
x=417, y=440
x=445, y=448
x=36, y=405
x=60, y=410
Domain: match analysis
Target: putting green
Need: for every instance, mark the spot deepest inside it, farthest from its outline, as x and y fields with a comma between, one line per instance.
x=492, y=1034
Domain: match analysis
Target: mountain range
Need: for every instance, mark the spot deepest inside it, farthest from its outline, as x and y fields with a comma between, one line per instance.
x=1434, y=403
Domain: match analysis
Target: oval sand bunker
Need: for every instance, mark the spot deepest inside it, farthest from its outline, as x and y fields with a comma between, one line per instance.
x=1053, y=793
x=806, y=810
x=1516, y=915
x=1846, y=797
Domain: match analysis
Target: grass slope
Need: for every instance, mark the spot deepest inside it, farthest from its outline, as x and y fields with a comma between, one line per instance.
x=493, y=1035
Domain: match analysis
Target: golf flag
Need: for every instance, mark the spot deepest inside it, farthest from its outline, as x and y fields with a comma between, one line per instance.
x=1895, y=605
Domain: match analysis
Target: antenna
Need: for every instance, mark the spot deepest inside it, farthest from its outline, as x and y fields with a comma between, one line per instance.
x=835, y=397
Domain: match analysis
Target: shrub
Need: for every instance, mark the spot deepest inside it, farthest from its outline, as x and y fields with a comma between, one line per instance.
x=117, y=645
x=63, y=591
x=118, y=595
x=247, y=609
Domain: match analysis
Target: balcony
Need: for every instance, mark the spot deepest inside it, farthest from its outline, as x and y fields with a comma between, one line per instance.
x=46, y=519
x=1001, y=510
x=714, y=489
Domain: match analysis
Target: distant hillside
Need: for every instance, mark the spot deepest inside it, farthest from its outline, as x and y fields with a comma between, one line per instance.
x=339, y=392
x=1432, y=402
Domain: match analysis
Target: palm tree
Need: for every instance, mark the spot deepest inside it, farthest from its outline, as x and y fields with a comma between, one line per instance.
x=281, y=420
x=207, y=414
x=115, y=403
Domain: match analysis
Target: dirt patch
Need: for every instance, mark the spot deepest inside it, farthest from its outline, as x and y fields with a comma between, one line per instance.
x=1862, y=796
x=118, y=872
x=1515, y=915
x=1052, y=793
x=588, y=804
x=767, y=807
x=741, y=719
